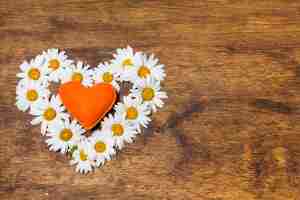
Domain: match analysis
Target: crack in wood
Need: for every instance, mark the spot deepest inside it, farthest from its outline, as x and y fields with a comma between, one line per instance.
x=273, y=106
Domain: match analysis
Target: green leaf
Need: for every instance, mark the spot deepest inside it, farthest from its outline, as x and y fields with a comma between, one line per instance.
x=72, y=149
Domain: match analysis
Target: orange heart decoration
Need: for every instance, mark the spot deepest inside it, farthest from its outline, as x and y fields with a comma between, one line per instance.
x=87, y=104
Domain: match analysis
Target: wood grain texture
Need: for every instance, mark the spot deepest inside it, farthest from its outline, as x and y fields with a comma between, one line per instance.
x=230, y=128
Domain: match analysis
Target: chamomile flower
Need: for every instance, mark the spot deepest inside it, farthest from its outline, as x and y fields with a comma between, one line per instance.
x=147, y=67
x=81, y=158
x=56, y=62
x=30, y=95
x=102, y=147
x=48, y=113
x=134, y=111
x=33, y=71
x=125, y=58
x=120, y=130
x=149, y=91
x=63, y=135
x=107, y=73
x=78, y=72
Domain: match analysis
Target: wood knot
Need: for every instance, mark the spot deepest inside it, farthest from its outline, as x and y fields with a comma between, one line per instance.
x=279, y=155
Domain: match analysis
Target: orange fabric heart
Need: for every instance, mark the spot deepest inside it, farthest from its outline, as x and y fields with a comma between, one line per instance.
x=87, y=104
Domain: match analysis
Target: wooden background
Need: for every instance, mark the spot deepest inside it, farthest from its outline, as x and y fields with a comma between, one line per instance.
x=230, y=128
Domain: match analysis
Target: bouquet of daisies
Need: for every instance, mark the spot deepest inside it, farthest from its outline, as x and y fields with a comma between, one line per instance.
x=63, y=133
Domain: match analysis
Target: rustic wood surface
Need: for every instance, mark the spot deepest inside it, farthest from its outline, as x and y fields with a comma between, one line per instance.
x=230, y=128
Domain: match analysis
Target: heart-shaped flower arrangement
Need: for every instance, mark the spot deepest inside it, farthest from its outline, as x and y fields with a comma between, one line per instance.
x=85, y=97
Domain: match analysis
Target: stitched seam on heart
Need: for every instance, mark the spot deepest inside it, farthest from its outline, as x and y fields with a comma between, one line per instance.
x=100, y=118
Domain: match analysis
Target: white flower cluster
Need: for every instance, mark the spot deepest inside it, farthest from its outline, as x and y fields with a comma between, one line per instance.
x=65, y=134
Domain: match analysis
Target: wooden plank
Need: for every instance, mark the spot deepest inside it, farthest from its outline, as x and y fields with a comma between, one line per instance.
x=229, y=130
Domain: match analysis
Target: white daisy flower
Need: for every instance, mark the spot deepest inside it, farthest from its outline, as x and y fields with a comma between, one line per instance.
x=102, y=147
x=63, y=135
x=125, y=59
x=48, y=112
x=30, y=95
x=33, y=71
x=147, y=67
x=149, y=91
x=80, y=73
x=134, y=111
x=107, y=73
x=120, y=130
x=56, y=62
x=81, y=158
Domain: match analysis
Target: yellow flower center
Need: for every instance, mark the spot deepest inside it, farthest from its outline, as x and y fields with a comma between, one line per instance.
x=49, y=114
x=82, y=155
x=117, y=129
x=34, y=73
x=77, y=76
x=143, y=72
x=107, y=77
x=65, y=134
x=148, y=94
x=131, y=113
x=100, y=147
x=54, y=64
x=127, y=62
x=32, y=95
